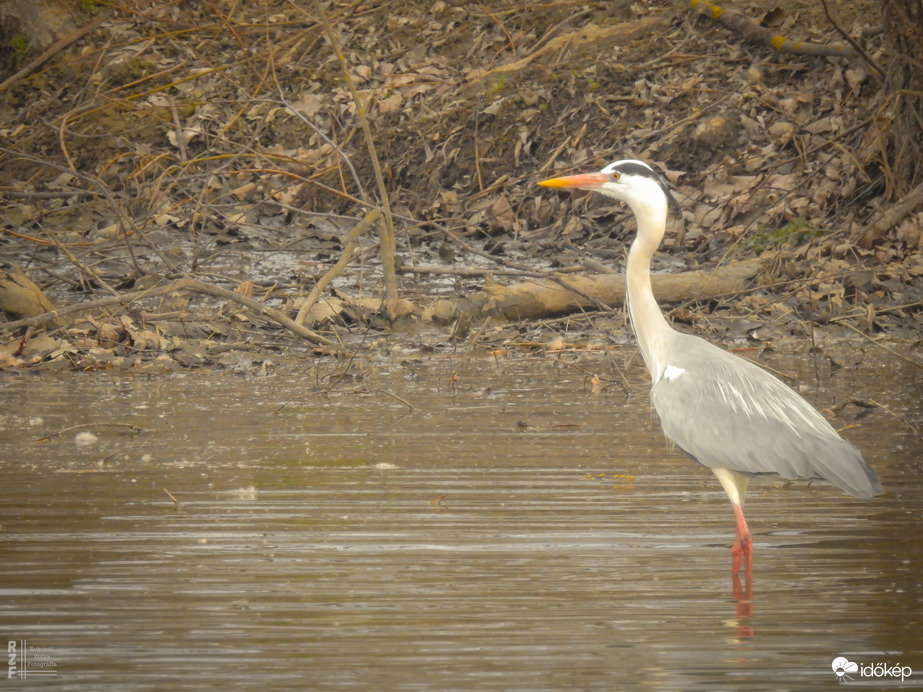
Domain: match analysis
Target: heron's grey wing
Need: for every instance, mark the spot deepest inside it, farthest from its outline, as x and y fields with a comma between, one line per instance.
x=729, y=413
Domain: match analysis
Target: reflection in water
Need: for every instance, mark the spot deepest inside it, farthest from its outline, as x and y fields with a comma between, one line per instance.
x=346, y=541
x=743, y=597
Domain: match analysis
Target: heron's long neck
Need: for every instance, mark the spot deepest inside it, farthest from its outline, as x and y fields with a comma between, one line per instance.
x=650, y=326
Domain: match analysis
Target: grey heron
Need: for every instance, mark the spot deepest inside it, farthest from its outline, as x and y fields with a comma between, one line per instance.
x=721, y=410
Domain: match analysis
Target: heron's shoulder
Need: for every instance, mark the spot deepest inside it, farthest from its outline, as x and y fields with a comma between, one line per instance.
x=702, y=377
x=700, y=358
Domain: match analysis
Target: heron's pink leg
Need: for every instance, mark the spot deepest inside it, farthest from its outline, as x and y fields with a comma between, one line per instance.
x=743, y=545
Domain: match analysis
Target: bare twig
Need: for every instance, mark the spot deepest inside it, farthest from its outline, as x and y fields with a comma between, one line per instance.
x=587, y=34
x=878, y=310
x=481, y=253
x=83, y=426
x=176, y=503
x=55, y=194
x=882, y=346
x=336, y=147
x=386, y=226
x=335, y=271
x=476, y=271
x=877, y=71
x=395, y=397
x=902, y=419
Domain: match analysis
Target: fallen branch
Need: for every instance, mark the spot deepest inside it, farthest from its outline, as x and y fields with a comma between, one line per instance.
x=55, y=317
x=750, y=30
x=562, y=295
x=353, y=236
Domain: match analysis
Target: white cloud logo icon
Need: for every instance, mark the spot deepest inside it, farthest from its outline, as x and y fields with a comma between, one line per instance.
x=841, y=666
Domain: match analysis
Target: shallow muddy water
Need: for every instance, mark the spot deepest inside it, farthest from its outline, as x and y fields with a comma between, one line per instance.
x=447, y=523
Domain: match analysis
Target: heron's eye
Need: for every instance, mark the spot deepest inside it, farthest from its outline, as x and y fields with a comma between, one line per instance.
x=615, y=176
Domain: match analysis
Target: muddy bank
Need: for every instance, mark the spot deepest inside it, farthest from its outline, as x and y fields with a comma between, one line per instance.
x=173, y=144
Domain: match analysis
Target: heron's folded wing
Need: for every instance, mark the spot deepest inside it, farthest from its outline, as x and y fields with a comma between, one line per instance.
x=728, y=413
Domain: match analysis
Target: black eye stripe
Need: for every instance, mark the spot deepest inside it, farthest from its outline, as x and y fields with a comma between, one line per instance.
x=636, y=168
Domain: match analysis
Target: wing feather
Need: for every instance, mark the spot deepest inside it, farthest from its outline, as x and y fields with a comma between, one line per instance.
x=726, y=412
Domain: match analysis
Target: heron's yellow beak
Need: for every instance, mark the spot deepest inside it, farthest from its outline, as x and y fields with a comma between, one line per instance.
x=584, y=181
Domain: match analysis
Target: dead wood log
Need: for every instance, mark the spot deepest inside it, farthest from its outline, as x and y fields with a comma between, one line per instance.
x=565, y=294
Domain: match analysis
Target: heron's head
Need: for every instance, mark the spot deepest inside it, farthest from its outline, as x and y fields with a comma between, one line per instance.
x=632, y=182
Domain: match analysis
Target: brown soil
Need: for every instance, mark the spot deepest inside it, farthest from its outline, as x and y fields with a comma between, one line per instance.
x=220, y=141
